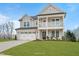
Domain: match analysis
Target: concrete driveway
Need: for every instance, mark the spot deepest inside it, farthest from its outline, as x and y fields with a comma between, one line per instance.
x=10, y=44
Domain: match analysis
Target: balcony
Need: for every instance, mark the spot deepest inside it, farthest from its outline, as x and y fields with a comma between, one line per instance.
x=43, y=24
x=51, y=25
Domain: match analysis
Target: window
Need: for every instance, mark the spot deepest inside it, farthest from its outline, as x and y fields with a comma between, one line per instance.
x=57, y=19
x=57, y=33
x=53, y=33
x=36, y=23
x=26, y=24
x=44, y=20
x=53, y=19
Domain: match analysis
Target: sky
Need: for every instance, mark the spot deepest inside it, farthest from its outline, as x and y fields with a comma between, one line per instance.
x=14, y=11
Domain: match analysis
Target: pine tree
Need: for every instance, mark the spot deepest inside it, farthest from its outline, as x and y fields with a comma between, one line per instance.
x=70, y=36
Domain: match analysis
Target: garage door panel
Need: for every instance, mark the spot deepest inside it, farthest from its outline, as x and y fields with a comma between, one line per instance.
x=26, y=36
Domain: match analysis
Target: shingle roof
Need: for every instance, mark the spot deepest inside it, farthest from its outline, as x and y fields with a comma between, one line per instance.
x=50, y=9
x=23, y=17
x=34, y=17
x=55, y=10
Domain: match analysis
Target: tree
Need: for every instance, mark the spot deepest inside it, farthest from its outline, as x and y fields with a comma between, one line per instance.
x=70, y=36
x=9, y=29
x=6, y=30
x=0, y=31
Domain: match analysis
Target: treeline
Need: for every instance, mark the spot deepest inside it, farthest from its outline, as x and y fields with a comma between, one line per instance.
x=6, y=30
x=70, y=36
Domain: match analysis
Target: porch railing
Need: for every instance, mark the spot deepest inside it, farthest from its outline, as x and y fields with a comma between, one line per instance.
x=51, y=24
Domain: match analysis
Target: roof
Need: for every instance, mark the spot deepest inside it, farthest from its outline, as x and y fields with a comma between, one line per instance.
x=34, y=17
x=50, y=9
x=26, y=28
x=23, y=17
x=52, y=13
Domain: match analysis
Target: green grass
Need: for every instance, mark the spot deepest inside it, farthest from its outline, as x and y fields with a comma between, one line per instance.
x=45, y=48
x=4, y=40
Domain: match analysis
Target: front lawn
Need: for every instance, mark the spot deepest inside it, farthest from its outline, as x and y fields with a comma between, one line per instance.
x=45, y=48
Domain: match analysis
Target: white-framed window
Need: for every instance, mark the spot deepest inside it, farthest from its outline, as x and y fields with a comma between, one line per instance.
x=57, y=33
x=53, y=20
x=57, y=22
x=36, y=23
x=53, y=33
x=26, y=24
x=57, y=19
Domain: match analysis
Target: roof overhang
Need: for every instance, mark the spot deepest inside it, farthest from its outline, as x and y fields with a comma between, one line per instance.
x=52, y=14
x=26, y=28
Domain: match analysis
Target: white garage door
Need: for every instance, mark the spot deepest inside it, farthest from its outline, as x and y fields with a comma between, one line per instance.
x=26, y=36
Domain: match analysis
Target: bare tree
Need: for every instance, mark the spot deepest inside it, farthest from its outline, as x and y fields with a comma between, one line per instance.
x=6, y=30
x=9, y=29
x=0, y=31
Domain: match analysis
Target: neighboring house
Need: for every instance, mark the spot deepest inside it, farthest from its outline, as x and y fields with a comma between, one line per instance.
x=48, y=24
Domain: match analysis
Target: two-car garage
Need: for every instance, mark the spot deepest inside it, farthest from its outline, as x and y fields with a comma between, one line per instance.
x=26, y=34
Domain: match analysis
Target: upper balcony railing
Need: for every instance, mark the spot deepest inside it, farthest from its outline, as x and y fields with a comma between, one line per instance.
x=43, y=24
x=51, y=24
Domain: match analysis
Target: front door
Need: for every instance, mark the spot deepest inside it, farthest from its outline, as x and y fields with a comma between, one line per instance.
x=43, y=34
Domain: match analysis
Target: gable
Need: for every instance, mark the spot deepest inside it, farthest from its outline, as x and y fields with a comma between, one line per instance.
x=26, y=17
x=50, y=9
x=23, y=17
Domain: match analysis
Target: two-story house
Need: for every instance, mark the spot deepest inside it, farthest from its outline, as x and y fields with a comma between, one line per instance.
x=48, y=24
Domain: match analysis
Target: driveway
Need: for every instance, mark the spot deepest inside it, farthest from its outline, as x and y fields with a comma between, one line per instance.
x=10, y=44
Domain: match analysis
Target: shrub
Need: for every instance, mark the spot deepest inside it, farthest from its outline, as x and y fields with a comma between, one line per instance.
x=70, y=36
x=63, y=38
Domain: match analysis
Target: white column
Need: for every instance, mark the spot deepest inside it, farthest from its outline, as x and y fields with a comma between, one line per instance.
x=46, y=27
x=38, y=22
x=38, y=35
x=63, y=25
x=59, y=33
x=46, y=34
x=38, y=28
x=55, y=33
x=55, y=22
x=47, y=22
x=63, y=21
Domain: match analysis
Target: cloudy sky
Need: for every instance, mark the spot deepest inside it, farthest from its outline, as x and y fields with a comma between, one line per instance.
x=13, y=12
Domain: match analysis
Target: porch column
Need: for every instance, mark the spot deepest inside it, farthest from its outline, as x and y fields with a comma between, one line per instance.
x=63, y=25
x=46, y=34
x=38, y=28
x=38, y=35
x=55, y=33
x=46, y=28
x=38, y=22
x=47, y=22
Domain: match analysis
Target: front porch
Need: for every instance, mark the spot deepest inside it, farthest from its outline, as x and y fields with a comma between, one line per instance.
x=49, y=34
